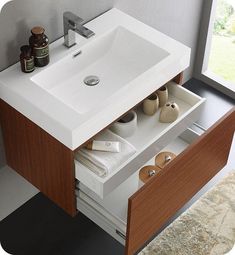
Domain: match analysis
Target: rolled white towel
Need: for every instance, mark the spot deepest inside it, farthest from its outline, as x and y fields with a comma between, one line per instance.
x=103, y=163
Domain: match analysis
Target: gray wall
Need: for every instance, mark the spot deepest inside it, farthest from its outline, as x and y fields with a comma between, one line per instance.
x=19, y=16
x=179, y=19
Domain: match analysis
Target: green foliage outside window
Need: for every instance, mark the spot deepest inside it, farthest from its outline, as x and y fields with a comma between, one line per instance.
x=225, y=19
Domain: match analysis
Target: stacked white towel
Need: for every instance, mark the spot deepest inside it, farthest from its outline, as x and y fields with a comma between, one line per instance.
x=103, y=163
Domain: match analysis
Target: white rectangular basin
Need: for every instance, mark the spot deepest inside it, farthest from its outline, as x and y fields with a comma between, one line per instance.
x=116, y=58
x=131, y=59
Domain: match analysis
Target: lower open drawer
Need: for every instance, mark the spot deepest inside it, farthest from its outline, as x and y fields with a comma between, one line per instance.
x=110, y=213
x=150, y=137
x=134, y=215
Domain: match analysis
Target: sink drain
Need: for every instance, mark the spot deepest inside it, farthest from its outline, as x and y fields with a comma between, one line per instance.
x=91, y=80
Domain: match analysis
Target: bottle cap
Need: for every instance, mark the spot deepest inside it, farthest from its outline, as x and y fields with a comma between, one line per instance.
x=26, y=49
x=37, y=30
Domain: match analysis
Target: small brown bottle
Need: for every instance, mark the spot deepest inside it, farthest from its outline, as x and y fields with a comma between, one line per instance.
x=26, y=59
x=40, y=46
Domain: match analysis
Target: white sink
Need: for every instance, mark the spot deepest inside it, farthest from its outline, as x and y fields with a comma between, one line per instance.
x=131, y=59
x=117, y=58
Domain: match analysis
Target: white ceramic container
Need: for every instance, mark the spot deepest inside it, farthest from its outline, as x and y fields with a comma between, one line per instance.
x=151, y=104
x=125, y=126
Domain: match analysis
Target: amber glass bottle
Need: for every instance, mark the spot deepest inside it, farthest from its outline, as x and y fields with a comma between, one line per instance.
x=40, y=46
x=26, y=59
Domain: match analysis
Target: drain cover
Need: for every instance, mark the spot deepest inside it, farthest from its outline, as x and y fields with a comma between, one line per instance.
x=91, y=80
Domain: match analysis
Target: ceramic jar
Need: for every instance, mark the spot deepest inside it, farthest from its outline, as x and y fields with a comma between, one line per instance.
x=151, y=104
x=163, y=95
x=163, y=158
x=125, y=126
x=169, y=112
x=146, y=173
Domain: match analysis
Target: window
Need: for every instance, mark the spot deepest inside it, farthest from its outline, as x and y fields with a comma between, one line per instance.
x=216, y=52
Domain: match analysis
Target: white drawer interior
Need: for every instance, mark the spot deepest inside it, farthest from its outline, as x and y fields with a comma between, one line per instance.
x=150, y=137
x=110, y=213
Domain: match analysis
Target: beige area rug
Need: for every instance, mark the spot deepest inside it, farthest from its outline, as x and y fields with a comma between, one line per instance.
x=207, y=227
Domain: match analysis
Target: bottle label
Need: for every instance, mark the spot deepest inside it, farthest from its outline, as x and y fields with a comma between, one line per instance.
x=41, y=52
x=29, y=64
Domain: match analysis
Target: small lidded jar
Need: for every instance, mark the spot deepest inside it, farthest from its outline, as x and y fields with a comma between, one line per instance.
x=40, y=46
x=26, y=59
x=146, y=173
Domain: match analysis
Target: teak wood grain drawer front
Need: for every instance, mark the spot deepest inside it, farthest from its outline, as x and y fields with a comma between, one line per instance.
x=153, y=205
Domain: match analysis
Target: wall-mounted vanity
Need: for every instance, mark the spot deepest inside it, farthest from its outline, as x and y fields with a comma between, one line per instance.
x=48, y=115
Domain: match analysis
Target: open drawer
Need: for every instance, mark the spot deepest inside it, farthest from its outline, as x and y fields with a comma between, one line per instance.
x=150, y=137
x=134, y=215
x=110, y=213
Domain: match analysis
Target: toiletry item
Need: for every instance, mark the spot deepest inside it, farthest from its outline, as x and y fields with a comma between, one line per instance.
x=125, y=126
x=146, y=173
x=108, y=146
x=40, y=46
x=163, y=95
x=169, y=112
x=163, y=158
x=103, y=163
x=150, y=104
x=26, y=59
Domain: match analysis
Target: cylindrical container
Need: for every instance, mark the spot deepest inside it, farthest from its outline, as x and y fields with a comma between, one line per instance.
x=163, y=95
x=40, y=46
x=26, y=59
x=146, y=173
x=163, y=158
x=151, y=104
x=125, y=126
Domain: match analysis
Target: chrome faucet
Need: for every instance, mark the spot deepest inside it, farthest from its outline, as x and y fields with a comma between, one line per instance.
x=72, y=24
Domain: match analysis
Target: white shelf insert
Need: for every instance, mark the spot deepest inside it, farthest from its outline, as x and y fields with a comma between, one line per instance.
x=150, y=138
x=110, y=213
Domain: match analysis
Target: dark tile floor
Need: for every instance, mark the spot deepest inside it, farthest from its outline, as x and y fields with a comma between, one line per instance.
x=40, y=228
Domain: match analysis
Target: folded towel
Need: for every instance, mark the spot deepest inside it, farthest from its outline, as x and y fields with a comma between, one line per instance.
x=103, y=163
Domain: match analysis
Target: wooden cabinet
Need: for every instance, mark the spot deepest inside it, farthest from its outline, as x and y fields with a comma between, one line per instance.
x=39, y=158
x=50, y=166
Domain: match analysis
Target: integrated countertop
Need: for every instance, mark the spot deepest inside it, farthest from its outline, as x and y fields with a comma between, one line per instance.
x=66, y=124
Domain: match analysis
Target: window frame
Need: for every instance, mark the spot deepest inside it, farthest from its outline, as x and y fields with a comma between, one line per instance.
x=201, y=71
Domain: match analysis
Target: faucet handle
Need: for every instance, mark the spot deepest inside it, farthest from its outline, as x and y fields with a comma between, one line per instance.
x=72, y=18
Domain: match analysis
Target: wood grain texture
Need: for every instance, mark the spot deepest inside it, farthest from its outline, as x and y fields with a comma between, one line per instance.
x=160, y=159
x=179, y=78
x=39, y=158
x=153, y=205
